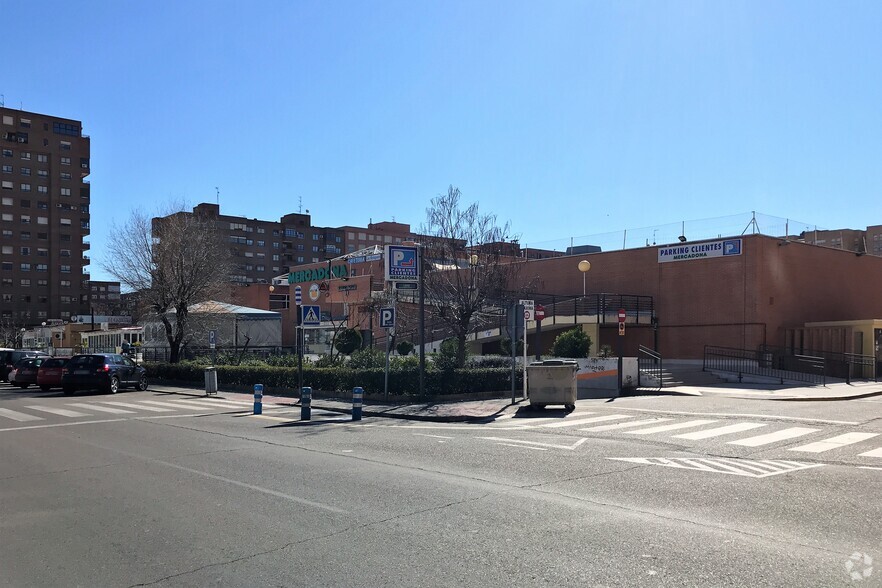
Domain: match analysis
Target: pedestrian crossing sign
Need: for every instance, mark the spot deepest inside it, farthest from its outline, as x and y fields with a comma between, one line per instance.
x=311, y=316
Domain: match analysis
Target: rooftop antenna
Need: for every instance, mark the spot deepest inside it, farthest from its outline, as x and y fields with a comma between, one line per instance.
x=300, y=205
x=217, y=196
x=2, y=99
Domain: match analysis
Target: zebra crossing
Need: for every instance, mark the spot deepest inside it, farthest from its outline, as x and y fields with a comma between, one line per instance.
x=34, y=412
x=741, y=433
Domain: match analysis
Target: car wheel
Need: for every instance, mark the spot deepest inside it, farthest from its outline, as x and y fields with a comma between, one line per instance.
x=45, y=388
x=570, y=407
x=142, y=383
x=113, y=387
x=68, y=391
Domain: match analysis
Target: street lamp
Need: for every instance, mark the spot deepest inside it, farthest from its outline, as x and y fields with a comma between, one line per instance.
x=43, y=334
x=21, y=339
x=584, y=266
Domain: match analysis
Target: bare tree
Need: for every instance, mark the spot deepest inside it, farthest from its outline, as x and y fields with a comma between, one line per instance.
x=10, y=332
x=467, y=266
x=172, y=262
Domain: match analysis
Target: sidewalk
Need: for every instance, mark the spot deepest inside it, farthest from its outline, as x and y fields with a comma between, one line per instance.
x=830, y=392
x=439, y=412
x=490, y=409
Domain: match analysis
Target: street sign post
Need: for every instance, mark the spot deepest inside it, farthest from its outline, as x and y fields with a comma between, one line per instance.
x=298, y=295
x=212, y=339
x=406, y=286
x=529, y=313
x=622, y=316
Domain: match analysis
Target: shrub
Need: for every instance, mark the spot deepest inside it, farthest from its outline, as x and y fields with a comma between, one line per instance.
x=505, y=346
x=326, y=360
x=606, y=351
x=573, y=343
x=367, y=358
x=445, y=359
x=404, y=348
x=490, y=361
x=347, y=341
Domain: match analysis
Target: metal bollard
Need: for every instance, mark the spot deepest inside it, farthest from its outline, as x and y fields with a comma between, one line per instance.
x=258, y=399
x=357, y=394
x=305, y=403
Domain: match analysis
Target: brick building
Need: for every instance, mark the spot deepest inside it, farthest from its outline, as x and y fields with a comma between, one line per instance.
x=44, y=217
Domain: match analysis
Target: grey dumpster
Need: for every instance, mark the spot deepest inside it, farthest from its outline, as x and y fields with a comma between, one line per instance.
x=552, y=381
x=210, y=380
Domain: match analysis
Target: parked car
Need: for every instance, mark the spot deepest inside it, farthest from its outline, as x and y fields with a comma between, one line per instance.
x=102, y=371
x=49, y=374
x=26, y=371
x=10, y=357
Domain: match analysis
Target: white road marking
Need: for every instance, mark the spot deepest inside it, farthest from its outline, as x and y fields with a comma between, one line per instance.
x=727, y=430
x=869, y=468
x=738, y=415
x=137, y=406
x=171, y=405
x=874, y=453
x=59, y=411
x=834, y=442
x=747, y=468
x=88, y=406
x=18, y=416
x=674, y=427
x=629, y=424
x=208, y=404
x=781, y=435
x=605, y=418
x=524, y=446
x=569, y=423
x=433, y=436
x=567, y=447
x=528, y=420
x=75, y=423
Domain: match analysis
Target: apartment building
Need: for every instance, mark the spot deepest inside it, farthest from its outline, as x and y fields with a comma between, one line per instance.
x=262, y=249
x=848, y=239
x=382, y=233
x=44, y=218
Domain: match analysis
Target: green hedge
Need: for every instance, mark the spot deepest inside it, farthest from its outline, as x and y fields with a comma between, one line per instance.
x=343, y=379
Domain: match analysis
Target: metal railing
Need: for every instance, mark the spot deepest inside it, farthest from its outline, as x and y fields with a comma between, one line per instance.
x=811, y=369
x=846, y=366
x=649, y=368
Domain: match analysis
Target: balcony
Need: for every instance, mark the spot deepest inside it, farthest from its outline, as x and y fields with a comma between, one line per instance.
x=86, y=260
x=86, y=245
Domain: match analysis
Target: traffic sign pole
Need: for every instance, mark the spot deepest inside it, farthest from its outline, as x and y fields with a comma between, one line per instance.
x=622, y=316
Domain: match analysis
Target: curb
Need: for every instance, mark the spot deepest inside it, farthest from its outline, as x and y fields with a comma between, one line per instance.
x=829, y=398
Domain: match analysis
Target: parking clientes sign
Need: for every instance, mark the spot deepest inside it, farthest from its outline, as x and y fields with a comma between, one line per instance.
x=401, y=263
x=688, y=251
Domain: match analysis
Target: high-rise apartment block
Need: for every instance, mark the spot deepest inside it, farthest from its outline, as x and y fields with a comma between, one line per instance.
x=44, y=218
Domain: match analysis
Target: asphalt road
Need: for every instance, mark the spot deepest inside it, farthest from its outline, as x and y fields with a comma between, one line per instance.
x=148, y=489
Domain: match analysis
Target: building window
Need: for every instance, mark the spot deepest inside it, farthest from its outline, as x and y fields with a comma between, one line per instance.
x=7, y=233
x=25, y=171
x=316, y=237
x=42, y=267
x=25, y=123
x=65, y=161
x=7, y=153
x=65, y=191
x=261, y=243
x=6, y=185
x=25, y=250
x=237, y=226
x=25, y=283
x=41, y=205
x=7, y=169
x=25, y=187
x=25, y=235
x=65, y=283
x=261, y=230
x=7, y=266
x=25, y=267
x=25, y=203
x=43, y=173
x=65, y=175
x=275, y=257
x=42, y=252
x=249, y=254
x=7, y=201
x=25, y=219
x=42, y=190
x=65, y=253
x=6, y=217
x=65, y=269
x=65, y=221
x=26, y=155
x=65, y=129
x=315, y=248
x=42, y=220
x=276, y=245
x=42, y=158
x=299, y=260
x=6, y=250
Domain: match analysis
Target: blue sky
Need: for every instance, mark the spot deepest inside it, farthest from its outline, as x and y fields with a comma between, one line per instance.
x=565, y=118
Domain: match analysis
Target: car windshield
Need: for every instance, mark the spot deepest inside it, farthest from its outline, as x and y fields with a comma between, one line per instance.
x=54, y=362
x=87, y=361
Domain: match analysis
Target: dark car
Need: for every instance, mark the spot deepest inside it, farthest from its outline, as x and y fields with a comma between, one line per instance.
x=102, y=371
x=49, y=374
x=26, y=371
x=10, y=357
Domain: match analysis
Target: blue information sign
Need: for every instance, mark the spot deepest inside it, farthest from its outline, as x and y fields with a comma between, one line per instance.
x=312, y=316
